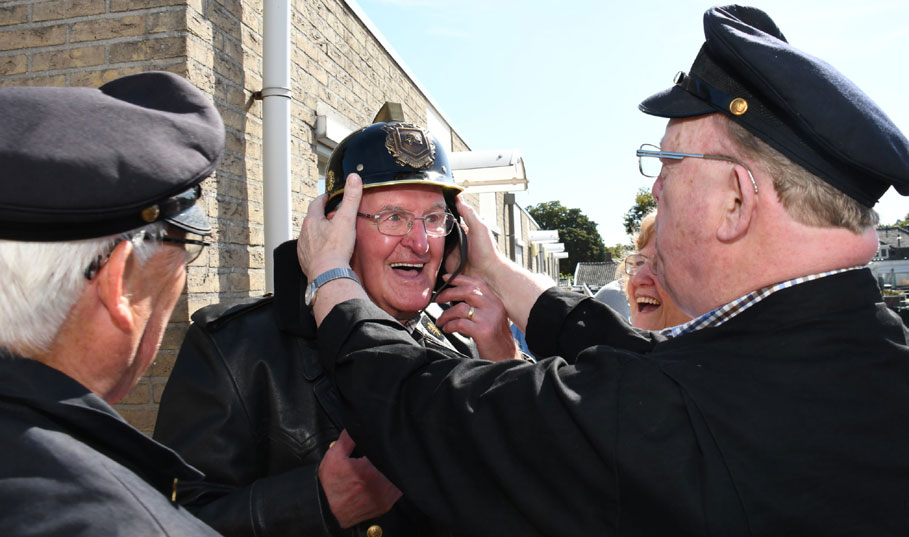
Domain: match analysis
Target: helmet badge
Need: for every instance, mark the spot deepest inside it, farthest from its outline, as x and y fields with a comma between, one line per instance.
x=330, y=181
x=409, y=145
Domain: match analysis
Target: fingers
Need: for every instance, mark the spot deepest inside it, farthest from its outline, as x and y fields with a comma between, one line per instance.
x=344, y=445
x=353, y=192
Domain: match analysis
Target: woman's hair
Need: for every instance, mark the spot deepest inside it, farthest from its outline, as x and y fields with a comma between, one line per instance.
x=645, y=233
x=43, y=280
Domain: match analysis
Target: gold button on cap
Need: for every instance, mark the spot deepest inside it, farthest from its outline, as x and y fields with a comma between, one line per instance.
x=374, y=531
x=738, y=106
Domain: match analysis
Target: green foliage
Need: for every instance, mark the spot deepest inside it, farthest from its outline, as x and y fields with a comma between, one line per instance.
x=578, y=232
x=619, y=251
x=643, y=204
x=904, y=223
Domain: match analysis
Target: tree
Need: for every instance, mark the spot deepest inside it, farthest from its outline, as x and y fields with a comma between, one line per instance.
x=643, y=204
x=578, y=233
x=618, y=251
x=904, y=223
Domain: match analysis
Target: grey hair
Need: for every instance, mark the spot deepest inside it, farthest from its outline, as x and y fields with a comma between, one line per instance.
x=43, y=280
x=807, y=198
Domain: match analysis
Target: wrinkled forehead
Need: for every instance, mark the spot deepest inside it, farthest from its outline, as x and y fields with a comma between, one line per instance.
x=414, y=198
x=702, y=134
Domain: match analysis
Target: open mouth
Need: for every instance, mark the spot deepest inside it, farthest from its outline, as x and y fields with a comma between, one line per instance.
x=407, y=268
x=646, y=304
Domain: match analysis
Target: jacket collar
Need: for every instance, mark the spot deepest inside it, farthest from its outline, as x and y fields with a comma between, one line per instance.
x=87, y=418
x=290, y=285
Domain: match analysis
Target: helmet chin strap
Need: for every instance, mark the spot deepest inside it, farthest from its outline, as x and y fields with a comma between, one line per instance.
x=462, y=244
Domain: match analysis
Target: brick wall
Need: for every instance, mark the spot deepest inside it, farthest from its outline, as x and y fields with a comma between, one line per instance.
x=337, y=67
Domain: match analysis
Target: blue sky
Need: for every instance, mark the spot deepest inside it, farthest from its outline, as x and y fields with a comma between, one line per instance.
x=560, y=81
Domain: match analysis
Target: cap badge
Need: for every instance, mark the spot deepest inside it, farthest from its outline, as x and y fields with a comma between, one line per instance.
x=738, y=106
x=150, y=214
x=409, y=145
x=330, y=181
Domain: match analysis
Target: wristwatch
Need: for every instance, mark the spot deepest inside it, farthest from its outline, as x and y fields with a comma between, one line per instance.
x=325, y=277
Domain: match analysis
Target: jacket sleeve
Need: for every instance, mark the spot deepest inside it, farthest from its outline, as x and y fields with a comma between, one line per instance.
x=206, y=420
x=560, y=321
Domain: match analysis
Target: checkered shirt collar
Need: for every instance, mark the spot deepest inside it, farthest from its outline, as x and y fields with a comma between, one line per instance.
x=726, y=312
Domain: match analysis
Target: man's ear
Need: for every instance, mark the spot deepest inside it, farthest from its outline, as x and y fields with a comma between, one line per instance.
x=112, y=289
x=738, y=205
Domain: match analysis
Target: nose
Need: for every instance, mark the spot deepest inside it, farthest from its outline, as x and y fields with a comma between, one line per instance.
x=644, y=274
x=657, y=188
x=416, y=239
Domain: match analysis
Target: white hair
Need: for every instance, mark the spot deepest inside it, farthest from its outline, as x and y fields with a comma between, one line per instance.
x=41, y=282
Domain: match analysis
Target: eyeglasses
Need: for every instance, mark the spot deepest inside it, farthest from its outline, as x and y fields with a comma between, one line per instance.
x=650, y=165
x=397, y=223
x=192, y=248
x=634, y=262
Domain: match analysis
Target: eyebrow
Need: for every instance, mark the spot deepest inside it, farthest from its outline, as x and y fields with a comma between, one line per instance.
x=433, y=208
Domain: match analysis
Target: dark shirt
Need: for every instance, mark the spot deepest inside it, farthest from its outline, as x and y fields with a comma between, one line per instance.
x=72, y=466
x=789, y=419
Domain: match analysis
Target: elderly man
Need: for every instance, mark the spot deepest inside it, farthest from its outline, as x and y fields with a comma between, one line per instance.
x=780, y=409
x=247, y=401
x=98, y=219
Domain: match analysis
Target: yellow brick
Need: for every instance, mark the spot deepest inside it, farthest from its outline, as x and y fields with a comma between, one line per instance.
x=68, y=59
x=173, y=336
x=141, y=417
x=199, y=26
x=13, y=65
x=13, y=14
x=167, y=47
x=96, y=30
x=66, y=9
x=158, y=390
x=163, y=365
x=139, y=395
x=167, y=21
x=93, y=79
x=35, y=37
x=57, y=80
x=134, y=5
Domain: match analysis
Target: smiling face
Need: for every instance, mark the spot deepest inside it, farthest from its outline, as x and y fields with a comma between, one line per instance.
x=398, y=273
x=651, y=306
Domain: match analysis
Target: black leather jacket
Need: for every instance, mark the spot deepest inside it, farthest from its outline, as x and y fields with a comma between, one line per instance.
x=248, y=404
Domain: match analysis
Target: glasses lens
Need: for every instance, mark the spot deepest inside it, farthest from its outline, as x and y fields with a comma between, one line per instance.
x=634, y=262
x=438, y=224
x=193, y=246
x=650, y=166
x=395, y=222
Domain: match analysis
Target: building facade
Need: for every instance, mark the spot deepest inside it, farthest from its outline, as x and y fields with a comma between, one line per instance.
x=341, y=72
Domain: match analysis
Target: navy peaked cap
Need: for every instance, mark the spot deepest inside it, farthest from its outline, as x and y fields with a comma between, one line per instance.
x=796, y=103
x=79, y=163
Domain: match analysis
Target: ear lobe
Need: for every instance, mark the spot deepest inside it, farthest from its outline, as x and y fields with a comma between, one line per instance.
x=739, y=206
x=112, y=287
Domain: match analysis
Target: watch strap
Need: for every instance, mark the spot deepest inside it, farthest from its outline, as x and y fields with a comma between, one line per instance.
x=327, y=276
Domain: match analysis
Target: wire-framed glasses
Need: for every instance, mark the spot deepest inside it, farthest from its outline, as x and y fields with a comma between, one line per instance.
x=397, y=222
x=191, y=246
x=650, y=163
x=634, y=262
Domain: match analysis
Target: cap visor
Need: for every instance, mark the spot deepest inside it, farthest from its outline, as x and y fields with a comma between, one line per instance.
x=192, y=220
x=675, y=102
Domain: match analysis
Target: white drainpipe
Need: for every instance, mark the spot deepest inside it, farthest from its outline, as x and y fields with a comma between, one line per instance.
x=276, y=99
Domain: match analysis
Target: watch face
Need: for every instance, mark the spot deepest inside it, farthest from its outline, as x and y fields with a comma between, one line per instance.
x=307, y=296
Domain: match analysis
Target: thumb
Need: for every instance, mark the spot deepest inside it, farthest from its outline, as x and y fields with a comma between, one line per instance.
x=344, y=444
x=467, y=213
x=353, y=191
